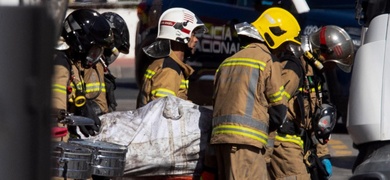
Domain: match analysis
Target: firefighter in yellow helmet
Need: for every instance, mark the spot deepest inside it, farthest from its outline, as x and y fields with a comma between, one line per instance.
x=300, y=149
x=248, y=96
x=168, y=74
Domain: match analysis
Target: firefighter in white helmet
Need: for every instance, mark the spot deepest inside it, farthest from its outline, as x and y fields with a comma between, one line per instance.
x=168, y=74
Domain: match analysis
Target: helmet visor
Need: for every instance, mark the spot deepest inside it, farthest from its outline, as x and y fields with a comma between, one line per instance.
x=247, y=29
x=198, y=31
x=110, y=55
x=200, y=27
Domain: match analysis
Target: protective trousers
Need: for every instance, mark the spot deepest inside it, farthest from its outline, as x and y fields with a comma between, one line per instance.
x=241, y=162
x=287, y=162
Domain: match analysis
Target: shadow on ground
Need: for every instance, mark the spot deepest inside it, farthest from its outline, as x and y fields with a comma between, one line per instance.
x=345, y=162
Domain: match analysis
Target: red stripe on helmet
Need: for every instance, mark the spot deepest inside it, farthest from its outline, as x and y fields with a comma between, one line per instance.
x=167, y=23
x=323, y=36
x=323, y=41
x=338, y=50
x=187, y=31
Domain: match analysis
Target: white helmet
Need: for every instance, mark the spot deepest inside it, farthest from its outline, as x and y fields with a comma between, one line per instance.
x=178, y=24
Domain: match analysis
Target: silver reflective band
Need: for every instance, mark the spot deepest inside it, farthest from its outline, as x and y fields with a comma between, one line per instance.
x=247, y=29
x=244, y=120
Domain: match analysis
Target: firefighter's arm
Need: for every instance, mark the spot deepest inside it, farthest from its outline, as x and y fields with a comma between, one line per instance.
x=274, y=91
x=60, y=80
x=322, y=150
x=291, y=74
x=165, y=82
x=324, y=156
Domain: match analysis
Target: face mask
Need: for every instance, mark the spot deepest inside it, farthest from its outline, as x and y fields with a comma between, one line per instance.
x=93, y=56
x=110, y=55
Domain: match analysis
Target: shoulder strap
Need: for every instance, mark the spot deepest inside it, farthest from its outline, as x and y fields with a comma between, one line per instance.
x=170, y=63
x=295, y=65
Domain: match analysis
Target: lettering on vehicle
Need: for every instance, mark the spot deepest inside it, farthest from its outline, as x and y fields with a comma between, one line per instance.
x=310, y=29
x=218, y=40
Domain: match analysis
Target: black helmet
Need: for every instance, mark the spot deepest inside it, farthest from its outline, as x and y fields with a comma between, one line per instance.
x=121, y=36
x=324, y=122
x=87, y=33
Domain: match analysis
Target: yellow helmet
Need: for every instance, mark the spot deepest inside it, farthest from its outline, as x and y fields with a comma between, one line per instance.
x=276, y=26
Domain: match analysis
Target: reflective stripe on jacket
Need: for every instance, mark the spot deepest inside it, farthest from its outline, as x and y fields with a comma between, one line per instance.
x=165, y=76
x=289, y=138
x=245, y=86
x=95, y=86
x=60, y=81
x=292, y=72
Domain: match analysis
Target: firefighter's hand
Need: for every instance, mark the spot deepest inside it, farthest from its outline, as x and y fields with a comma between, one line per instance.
x=328, y=166
x=89, y=130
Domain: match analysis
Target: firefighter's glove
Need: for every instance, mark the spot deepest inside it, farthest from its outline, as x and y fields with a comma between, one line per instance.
x=288, y=127
x=328, y=166
x=89, y=110
x=277, y=115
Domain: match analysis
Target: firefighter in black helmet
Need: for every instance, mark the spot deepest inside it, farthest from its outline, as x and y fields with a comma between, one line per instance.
x=86, y=34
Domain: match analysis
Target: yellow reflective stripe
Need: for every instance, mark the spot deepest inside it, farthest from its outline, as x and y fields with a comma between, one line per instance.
x=59, y=88
x=288, y=96
x=149, y=74
x=184, y=84
x=79, y=85
x=244, y=62
x=95, y=87
x=290, y=138
x=162, y=92
x=242, y=131
x=311, y=89
x=277, y=96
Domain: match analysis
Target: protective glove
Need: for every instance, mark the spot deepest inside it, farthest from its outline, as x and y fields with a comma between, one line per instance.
x=88, y=111
x=328, y=166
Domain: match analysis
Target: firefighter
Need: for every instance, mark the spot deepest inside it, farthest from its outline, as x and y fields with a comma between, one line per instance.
x=121, y=45
x=248, y=99
x=99, y=82
x=86, y=33
x=168, y=74
x=300, y=146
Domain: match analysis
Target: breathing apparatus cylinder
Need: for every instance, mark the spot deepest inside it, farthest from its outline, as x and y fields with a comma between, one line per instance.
x=315, y=61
